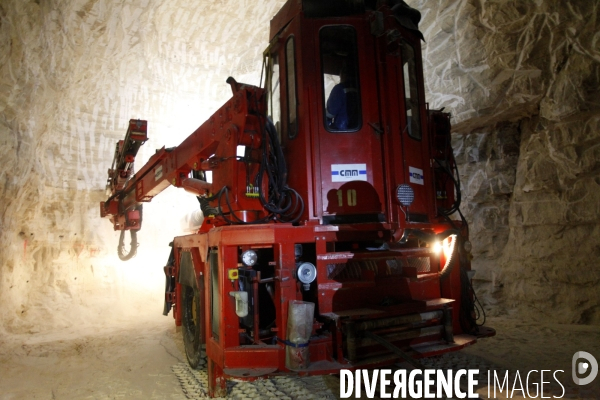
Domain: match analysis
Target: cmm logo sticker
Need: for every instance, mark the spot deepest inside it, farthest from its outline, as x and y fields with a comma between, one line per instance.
x=416, y=175
x=348, y=172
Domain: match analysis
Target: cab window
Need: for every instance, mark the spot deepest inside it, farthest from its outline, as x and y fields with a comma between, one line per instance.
x=411, y=91
x=273, y=89
x=341, y=91
x=290, y=65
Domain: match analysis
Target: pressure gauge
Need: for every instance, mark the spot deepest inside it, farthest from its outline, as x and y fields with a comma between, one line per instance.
x=405, y=194
x=249, y=258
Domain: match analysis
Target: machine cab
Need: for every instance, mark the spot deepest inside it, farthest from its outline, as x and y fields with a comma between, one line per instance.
x=345, y=93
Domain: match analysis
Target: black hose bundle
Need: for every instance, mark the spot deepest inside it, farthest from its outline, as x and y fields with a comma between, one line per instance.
x=282, y=203
x=207, y=209
x=452, y=172
x=127, y=255
x=471, y=310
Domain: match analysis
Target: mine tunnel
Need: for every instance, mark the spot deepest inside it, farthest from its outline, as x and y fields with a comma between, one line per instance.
x=469, y=125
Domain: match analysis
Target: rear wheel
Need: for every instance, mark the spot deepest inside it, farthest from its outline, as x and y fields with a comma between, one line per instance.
x=192, y=321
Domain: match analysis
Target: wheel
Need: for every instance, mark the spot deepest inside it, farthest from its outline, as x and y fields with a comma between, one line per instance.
x=192, y=321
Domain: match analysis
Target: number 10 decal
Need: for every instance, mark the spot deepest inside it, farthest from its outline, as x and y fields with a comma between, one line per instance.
x=350, y=196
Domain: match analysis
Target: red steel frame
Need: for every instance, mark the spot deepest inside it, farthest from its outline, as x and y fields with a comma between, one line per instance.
x=381, y=143
x=227, y=358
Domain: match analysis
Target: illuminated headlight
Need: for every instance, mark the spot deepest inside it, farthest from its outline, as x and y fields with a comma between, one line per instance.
x=405, y=194
x=467, y=246
x=437, y=247
x=306, y=273
x=249, y=258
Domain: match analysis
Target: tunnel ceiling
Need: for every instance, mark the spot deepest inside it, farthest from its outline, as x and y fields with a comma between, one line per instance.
x=521, y=79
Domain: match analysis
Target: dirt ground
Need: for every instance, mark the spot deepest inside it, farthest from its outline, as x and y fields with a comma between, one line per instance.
x=525, y=346
x=134, y=361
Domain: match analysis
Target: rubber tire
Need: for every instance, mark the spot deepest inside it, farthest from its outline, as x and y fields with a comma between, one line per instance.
x=192, y=325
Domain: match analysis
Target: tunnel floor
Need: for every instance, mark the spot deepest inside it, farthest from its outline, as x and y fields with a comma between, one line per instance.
x=145, y=360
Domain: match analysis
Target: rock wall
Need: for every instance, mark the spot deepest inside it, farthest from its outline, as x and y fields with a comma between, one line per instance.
x=522, y=81
x=72, y=73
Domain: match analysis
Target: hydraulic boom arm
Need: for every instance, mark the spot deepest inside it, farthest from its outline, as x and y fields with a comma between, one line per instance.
x=237, y=143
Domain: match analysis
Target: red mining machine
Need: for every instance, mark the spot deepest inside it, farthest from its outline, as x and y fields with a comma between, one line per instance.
x=327, y=239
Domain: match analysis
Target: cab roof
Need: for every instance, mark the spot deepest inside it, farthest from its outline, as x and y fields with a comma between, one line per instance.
x=406, y=15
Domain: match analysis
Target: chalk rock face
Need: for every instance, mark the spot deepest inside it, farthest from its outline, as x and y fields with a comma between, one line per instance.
x=72, y=74
x=487, y=166
x=522, y=81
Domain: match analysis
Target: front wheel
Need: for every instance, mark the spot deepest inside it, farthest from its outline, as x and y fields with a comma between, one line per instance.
x=192, y=321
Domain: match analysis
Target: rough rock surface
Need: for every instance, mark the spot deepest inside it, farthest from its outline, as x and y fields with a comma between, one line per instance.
x=72, y=73
x=522, y=81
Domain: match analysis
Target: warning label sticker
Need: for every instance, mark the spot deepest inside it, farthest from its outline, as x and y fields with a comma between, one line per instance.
x=158, y=173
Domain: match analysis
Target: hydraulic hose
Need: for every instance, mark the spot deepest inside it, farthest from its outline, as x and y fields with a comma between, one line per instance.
x=207, y=209
x=125, y=256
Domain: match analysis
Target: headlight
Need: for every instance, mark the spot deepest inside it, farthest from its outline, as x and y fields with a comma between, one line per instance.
x=405, y=194
x=306, y=273
x=249, y=258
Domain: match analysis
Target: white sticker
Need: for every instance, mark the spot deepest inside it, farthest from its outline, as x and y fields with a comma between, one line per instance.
x=158, y=173
x=348, y=172
x=416, y=175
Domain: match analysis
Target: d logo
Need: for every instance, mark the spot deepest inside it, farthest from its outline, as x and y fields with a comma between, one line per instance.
x=582, y=367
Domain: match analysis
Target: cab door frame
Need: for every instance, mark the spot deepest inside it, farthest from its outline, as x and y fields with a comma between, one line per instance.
x=360, y=198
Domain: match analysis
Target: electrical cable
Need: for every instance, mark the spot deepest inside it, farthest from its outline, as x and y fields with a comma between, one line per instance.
x=284, y=204
x=456, y=180
x=471, y=309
